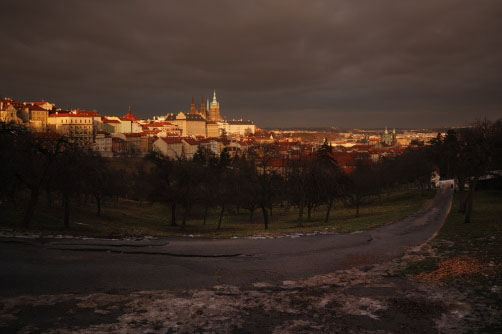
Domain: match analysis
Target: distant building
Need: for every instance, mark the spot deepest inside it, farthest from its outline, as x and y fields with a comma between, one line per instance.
x=238, y=127
x=190, y=124
x=103, y=144
x=76, y=125
x=37, y=117
x=171, y=147
x=190, y=147
x=214, y=110
x=388, y=139
x=43, y=104
x=214, y=145
x=8, y=113
x=118, y=145
x=133, y=142
x=110, y=125
x=162, y=129
x=213, y=129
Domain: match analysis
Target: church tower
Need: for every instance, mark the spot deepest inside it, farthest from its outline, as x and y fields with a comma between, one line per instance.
x=193, y=109
x=214, y=110
x=202, y=109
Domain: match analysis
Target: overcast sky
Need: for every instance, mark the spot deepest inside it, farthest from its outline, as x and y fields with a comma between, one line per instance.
x=280, y=63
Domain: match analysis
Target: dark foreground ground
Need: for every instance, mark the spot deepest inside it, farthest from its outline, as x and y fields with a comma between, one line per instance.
x=404, y=295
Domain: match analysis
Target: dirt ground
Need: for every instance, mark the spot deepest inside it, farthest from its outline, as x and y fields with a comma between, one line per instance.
x=367, y=299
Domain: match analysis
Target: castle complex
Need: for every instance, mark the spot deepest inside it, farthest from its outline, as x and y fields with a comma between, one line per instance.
x=173, y=134
x=206, y=121
x=209, y=111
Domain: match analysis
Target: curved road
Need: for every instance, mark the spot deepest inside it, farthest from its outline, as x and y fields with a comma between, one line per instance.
x=50, y=266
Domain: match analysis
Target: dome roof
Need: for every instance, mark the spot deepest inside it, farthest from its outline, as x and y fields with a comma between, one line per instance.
x=129, y=116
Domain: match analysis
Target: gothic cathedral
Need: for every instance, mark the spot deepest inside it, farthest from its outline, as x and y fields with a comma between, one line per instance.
x=209, y=111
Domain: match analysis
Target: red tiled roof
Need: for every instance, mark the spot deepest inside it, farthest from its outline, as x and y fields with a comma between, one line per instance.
x=106, y=120
x=68, y=115
x=190, y=141
x=35, y=108
x=206, y=140
x=157, y=124
x=172, y=140
x=89, y=113
x=129, y=117
x=8, y=101
x=151, y=131
x=343, y=158
x=360, y=147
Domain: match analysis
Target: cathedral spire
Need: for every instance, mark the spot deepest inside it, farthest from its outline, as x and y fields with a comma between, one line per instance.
x=202, y=109
x=214, y=109
x=193, y=109
x=214, y=103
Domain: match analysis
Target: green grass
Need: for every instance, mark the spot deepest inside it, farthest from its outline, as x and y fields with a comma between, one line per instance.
x=482, y=240
x=482, y=237
x=131, y=218
x=427, y=265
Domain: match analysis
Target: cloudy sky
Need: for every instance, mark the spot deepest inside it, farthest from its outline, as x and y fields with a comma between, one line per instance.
x=283, y=63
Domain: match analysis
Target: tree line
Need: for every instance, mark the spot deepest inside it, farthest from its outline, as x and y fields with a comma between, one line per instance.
x=65, y=172
x=467, y=155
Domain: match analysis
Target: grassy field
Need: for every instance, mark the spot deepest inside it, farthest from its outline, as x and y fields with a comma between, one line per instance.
x=131, y=218
x=468, y=257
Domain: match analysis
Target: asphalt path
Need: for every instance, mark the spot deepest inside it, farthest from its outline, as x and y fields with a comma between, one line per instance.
x=75, y=265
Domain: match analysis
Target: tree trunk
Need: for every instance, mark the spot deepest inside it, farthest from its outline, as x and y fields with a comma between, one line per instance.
x=265, y=216
x=49, y=198
x=461, y=195
x=173, y=215
x=462, y=201
x=66, y=204
x=186, y=212
x=221, y=216
x=251, y=214
x=469, y=200
x=309, y=211
x=300, y=213
x=31, y=207
x=330, y=204
x=205, y=215
x=98, y=204
x=358, y=203
x=286, y=207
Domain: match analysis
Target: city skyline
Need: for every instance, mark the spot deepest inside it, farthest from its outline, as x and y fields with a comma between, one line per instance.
x=281, y=64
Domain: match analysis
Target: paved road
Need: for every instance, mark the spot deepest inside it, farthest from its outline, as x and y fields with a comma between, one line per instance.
x=50, y=266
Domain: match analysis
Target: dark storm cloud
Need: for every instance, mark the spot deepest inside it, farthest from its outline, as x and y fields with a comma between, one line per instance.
x=281, y=63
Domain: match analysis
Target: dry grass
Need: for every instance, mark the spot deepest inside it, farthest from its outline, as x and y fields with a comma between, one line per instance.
x=454, y=269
